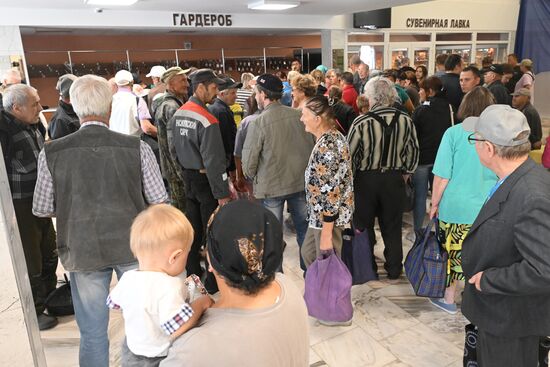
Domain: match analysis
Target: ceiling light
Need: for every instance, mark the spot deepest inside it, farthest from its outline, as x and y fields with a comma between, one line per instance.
x=110, y=2
x=273, y=5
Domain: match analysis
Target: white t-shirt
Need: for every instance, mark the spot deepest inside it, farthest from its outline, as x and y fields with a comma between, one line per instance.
x=154, y=307
x=124, y=114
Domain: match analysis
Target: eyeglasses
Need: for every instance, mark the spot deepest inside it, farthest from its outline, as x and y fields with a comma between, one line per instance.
x=472, y=139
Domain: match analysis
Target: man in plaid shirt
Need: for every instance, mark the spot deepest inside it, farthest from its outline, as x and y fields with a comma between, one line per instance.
x=22, y=137
x=95, y=181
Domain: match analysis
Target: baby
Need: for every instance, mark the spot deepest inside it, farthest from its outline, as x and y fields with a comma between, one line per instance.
x=153, y=298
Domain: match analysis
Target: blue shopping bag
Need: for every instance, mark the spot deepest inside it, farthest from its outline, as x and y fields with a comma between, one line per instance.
x=357, y=255
x=426, y=264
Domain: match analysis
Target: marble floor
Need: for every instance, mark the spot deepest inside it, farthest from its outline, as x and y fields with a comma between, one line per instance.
x=391, y=327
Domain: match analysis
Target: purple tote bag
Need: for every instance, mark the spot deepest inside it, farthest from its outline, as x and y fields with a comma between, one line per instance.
x=328, y=289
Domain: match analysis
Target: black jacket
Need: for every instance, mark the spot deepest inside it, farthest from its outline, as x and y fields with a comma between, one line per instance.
x=509, y=242
x=344, y=114
x=63, y=122
x=500, y=93
x=451, y=84
x=228, y=129
x=431, y=119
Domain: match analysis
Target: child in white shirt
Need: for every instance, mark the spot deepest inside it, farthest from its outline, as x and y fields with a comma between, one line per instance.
x=153, y=298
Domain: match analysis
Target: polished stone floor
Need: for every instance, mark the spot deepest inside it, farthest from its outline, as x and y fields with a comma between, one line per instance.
x=391, y=327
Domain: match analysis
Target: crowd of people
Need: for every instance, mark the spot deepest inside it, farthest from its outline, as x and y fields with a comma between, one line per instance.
x=194, y=172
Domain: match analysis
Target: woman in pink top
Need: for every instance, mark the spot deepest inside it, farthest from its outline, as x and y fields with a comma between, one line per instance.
x=546, y=154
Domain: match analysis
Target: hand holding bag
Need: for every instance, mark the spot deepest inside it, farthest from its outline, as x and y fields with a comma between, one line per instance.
x=426, y=264
x=328, y=289
x=357, y=255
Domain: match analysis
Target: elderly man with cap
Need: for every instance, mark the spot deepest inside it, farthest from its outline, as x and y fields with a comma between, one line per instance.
x=506, y=255
x=521, y=100
x=164, y=107
x=260, y=318
x=492, y=78
x=275, y=155
x=21, y=140
x=129, y=114
x=158, y=86
x=199, y=149
x=64, y=121
x=222, y=111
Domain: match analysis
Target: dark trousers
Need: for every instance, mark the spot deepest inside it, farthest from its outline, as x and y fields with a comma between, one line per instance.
x=381, y=194
x=496, y=351
x=199, y=206
x=39, y=247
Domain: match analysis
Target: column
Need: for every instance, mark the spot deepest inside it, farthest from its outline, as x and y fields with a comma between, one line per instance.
x=333, y=43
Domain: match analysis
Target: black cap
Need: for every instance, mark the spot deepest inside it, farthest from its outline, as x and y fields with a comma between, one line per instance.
x=64, y=84
x=229, y=83
x=137, y=79
x=205, y=75
x=270, y=82
x=245, y=242
x=496, y=68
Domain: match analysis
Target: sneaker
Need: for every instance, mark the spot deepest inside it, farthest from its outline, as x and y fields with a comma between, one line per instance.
x=447, y=307
x=334, y=323
x=46, y=322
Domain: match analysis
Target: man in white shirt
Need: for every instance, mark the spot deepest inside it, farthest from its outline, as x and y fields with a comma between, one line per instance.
x=129, y=113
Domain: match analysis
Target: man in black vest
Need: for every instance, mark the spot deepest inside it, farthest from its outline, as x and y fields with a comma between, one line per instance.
x=95, y=181
x=493, y=78
x=163, y=109
x=22, y=139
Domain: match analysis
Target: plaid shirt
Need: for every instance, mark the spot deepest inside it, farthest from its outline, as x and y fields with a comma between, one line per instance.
x=25, y=142
x=170, y=326
x=153, y=187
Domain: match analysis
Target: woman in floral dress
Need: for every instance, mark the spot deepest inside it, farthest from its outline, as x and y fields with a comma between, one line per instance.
x=328, y=181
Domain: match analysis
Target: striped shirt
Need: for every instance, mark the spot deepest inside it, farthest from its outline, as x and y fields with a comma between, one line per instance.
x=366, y=141
x=242, y=95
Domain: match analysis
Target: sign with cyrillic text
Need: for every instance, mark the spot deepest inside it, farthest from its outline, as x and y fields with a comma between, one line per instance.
x=201, y=20
x=437, y=23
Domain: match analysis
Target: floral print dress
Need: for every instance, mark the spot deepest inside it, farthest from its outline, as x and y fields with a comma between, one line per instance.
x=329, y=182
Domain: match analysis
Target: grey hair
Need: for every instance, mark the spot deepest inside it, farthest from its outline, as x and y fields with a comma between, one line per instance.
x=91, y=96
x=17, y=94
x=514, y=152
x=381, y=91
x=11, y=74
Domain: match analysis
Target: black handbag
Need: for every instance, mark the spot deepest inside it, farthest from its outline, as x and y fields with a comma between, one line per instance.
x=408, y=204
x=60, y=301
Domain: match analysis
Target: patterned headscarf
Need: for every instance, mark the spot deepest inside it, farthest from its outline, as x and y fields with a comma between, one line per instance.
x=245, y=242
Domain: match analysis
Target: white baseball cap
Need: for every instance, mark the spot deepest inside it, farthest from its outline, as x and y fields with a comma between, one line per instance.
x=156, y=71
x=123, y=77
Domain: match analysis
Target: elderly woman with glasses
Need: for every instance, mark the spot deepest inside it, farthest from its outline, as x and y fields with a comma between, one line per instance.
x=461, y=185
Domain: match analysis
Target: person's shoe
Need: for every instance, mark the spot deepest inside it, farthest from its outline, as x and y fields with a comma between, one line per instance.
x=46, y=322
x=334, y=323
x=447, y=307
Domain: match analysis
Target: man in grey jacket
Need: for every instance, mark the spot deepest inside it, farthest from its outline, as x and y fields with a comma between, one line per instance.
x=275, y=155
x=506, y=255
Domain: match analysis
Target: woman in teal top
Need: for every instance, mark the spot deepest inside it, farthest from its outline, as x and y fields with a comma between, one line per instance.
x=461, y=185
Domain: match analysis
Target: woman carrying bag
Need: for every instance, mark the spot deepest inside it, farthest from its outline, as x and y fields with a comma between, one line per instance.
x=329, y=201
x=461, y=185
x=328, y=181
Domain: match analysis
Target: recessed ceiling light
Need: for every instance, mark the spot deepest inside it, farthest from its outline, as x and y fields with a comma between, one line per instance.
x=273, y=5
x=110, y=2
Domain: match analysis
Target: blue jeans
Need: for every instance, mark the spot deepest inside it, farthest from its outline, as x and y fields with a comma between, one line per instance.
x=89, y=290
x=422, y=177
x=298, y=211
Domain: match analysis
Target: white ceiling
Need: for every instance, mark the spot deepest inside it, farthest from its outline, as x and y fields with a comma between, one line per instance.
x=307, y=7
